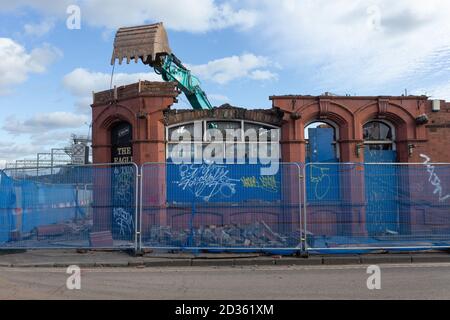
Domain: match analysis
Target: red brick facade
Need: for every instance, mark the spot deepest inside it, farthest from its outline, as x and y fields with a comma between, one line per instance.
x=351, y=113
x=418, y=130
x=143, y=105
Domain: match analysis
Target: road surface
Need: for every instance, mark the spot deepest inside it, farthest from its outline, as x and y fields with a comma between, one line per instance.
x=408, y=281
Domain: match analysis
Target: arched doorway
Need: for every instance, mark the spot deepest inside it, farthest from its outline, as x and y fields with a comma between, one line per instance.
x=121, y=146
x=379, y=141
x=321, y=142
x=122, y=182
x=322, y=156
x=381, y=178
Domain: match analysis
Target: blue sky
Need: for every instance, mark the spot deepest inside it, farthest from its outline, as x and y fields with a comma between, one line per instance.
x=242, y=51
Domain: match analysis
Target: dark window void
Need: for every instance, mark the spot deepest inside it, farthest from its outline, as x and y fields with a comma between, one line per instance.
x=121, y=143
x=186, y=133
x=378, y=146
x=230, y=130
x=378, y=136
x=377, y=131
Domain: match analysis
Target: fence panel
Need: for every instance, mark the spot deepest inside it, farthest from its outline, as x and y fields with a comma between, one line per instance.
x=69, y=206
x=220, y=207
x=347, y=206
x=354, y=206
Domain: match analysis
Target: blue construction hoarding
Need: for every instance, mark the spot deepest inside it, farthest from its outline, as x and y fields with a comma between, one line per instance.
x=221, y=183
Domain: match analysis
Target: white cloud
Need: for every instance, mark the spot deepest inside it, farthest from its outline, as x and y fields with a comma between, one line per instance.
x=10, y=151
x=81, y=82
x=43, y=6
x=262, y=75
x=44, y=122
x=57, y=137
x=358, y=44
x=28, y=146
x=38, y=29
x=227, y=69
x=218, y=98
x=16, y=64
x=437, y=91
x=186, y=15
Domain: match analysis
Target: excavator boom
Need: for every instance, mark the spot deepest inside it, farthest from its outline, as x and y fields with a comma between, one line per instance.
x=150, y=44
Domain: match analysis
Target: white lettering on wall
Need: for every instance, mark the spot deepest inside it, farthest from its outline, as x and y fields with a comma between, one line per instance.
x=434, y=178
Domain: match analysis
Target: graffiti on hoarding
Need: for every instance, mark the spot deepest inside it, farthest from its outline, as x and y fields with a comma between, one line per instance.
x=321, y=180
x=123, y=195
x=206, y=181
x=434, y=178
x=123, y=186
x=268, y=183
x=123, y=220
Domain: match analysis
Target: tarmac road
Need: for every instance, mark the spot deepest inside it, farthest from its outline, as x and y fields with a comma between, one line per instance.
x=402, y=281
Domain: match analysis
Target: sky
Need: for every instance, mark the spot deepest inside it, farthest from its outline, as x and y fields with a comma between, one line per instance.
x=242, y=51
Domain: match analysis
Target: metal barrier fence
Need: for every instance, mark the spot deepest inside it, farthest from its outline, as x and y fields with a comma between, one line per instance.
x=372, y=206
x=317, y=207
x=69, y=206
x=220, y=207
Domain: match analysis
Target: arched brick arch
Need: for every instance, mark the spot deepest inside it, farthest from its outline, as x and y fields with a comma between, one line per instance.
x=401, y=119
x=140, y=104
x=102, y=125
x=323, y=110
x=109, y=117
x=406, y=130
x=327, y=110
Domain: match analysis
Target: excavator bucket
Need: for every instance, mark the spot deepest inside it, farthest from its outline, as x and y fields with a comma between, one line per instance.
x=144, y=42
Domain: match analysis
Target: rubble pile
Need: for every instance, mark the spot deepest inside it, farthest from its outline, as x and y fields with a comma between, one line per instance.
x=257, y=234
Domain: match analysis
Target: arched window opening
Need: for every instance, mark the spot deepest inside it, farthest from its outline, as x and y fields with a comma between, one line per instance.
x=321, y=142
x=222, y=139
x=378, y=135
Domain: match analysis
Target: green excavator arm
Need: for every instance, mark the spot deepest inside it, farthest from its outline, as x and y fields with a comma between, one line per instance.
x=150, y=44
x=171, y=69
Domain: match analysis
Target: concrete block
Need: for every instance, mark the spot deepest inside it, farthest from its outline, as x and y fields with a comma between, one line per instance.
x=5, y=265
x=385, y=258
x=113, y=264
x=430, y=258
x=299, y=261
x=254, y=262
x=50, y=230
x=338, y=260
x=212, y=262
x=74, y=263
x=167, y=262
x=101, y=239
x=136, y=263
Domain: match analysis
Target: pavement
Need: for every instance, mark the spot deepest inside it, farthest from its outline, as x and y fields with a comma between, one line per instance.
x=115, y=259
x=397, y=281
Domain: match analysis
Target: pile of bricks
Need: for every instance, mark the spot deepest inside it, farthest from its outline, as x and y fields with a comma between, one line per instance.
x=257, y=234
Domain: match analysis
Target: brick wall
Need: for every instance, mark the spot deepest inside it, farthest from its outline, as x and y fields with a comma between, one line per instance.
x=350, y=114
x=437, y=146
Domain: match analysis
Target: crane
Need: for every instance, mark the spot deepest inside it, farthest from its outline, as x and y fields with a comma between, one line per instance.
x=149, y=43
